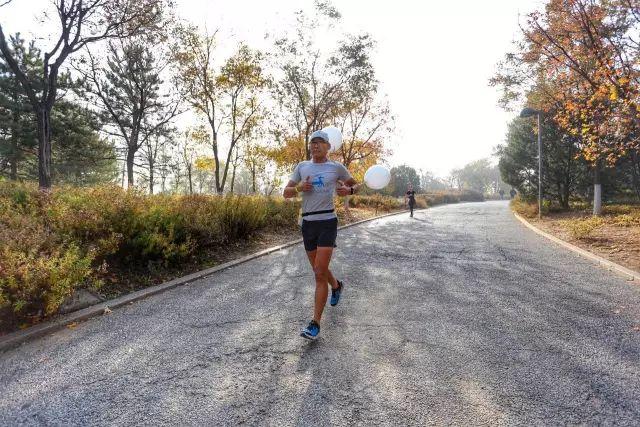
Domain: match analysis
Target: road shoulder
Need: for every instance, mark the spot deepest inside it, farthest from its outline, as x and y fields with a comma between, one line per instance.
x=630, y=275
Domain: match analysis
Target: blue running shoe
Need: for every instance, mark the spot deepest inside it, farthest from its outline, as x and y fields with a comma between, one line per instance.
x=335, y=294
x=311, y=331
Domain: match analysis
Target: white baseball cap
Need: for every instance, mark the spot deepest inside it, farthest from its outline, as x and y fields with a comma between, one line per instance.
x=319, y=134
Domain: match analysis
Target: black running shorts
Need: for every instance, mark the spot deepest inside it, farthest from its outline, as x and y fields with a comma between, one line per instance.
x=321, y=233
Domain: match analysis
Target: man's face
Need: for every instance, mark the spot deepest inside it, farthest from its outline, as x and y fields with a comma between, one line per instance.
x=319, y=147
x=410, y=187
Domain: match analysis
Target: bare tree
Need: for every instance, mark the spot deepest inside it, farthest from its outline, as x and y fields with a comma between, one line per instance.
x=164, y=167
x=82, y=22
x=239, y=81
x=175, y=165
x=188, y=147
x=312, y=84
x=195, y=55
x=364, y=124
x=227, y=98
x=154, y=152
x=130, y=91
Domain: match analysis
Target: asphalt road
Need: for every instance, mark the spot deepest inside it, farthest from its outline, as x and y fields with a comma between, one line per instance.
x=459, y=316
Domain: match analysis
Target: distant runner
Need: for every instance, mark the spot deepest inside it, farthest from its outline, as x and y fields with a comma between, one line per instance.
x=410, y=195
x=317, y=179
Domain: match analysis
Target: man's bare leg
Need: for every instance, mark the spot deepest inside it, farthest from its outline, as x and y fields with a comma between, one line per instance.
x=333, y=282
x=321, y=271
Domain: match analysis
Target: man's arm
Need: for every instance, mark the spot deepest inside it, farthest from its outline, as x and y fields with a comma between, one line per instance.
x=349, y=184
x=353, y=184
x=293, y=187
x=291, y=190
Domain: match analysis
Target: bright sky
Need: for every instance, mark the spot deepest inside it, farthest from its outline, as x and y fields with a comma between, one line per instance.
x=433, y=59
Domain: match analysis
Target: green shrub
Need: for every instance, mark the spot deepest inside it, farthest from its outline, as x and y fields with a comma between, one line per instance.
x=38, y=268
x=582, y=228
x=451, y=196
x=528, y=209
x=242, y=215
x=376, y=201
x=626, y=220
x=421, y=202
x=33, y=285
x=54, y=242
x=282, y=213
x=617, y=209
x=579, y=205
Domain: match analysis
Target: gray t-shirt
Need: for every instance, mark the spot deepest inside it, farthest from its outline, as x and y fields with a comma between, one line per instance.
x=323, y=176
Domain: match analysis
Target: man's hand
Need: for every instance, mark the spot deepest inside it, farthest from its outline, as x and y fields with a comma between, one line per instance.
x=343, y=190
x=307, y=186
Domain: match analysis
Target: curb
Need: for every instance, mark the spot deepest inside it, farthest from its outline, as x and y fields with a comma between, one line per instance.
x=16, y=338
x=630, y=275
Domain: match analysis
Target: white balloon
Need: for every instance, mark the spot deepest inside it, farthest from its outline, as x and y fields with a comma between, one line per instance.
x=335, y=137
x=377, y=177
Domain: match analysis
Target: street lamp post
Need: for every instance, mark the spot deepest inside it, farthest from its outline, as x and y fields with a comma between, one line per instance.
x=528, y=112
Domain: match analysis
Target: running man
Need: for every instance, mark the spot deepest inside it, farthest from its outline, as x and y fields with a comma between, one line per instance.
x=411, y=196
x=317, y=180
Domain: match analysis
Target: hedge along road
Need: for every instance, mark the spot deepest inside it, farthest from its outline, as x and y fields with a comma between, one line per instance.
x=461, y=315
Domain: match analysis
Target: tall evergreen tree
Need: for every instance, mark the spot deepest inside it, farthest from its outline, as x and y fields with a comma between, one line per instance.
x=80, y=155
x=17, y=121
x=135, y=105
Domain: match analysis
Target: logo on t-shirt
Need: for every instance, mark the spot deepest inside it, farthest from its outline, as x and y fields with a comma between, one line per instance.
x=318, y=182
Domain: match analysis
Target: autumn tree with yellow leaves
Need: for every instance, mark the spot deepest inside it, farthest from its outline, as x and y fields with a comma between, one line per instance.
x=578, y=63
x=226, y=96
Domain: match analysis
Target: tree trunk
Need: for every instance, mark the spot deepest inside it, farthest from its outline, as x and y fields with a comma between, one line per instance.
x=567, y=196
x=190, y=179
x=151, y=179
x=253, y=178
x=560, y=193
x=233, y=178
x=131, y=155
x=219, y=188
x=635, y=167
x=597, y=190
x=307, y=150
x=226, y=168
x=567, y=183
x=44, y=148
x=13, y=172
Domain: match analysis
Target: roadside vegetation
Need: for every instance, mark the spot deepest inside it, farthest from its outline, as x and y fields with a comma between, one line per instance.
x=54, y=242
x=575, y=66
x=113, y=241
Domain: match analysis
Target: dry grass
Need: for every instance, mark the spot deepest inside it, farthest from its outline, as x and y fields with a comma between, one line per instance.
x=59, y=241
